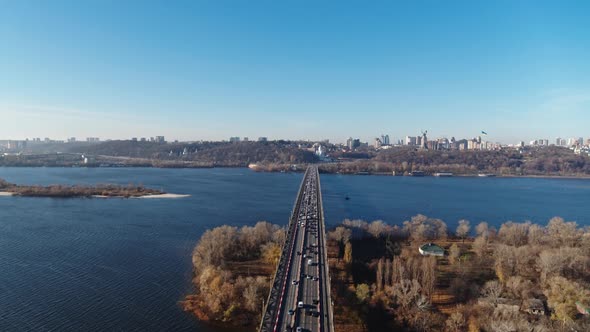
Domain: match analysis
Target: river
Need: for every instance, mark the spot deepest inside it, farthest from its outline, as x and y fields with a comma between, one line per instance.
x=123, y=264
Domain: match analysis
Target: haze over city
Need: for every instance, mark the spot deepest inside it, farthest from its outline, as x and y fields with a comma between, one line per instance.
x=208, y=71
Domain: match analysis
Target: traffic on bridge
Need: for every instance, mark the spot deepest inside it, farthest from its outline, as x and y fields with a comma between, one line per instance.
x=300, y=300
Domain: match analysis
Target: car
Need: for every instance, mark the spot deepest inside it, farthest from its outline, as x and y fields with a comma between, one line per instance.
x=299, y=329
x=308, y=312
x=315, y=314
x=299, y=253
x=291, y=312
x=300, y=304
x=316, y=301
x=308, y=276
x=294, y=282
x=315, y=279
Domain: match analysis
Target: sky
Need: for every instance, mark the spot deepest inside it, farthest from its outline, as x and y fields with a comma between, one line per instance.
x=208, y=70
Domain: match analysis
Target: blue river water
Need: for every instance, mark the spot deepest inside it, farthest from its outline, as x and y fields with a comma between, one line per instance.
x=123, y=264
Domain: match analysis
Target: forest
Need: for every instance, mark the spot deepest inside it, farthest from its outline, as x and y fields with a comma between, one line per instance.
x=542, y=161
x=520, y=277
x=232, y=270
x=225, y=154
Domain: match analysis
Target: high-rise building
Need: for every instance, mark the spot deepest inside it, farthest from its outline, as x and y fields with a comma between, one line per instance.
x=234, y=139
x=245, y=139
x=385, y=139
x=262, y=139
x=160, y=139
x=410, y=140
x=558, y=141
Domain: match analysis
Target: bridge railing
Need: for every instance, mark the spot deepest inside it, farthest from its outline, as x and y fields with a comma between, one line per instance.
x=325, y=257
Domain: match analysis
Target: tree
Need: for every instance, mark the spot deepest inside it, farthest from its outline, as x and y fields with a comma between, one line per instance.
x=362, y=292
x=406, y=292
x=563, y=233
x=271, y=253
x=379, y=276
x=482, y=229
x=340, y=234
x=562, y=295
x=428, y=276
x=492, y=290
x=480, y=246
x=514, y=234
x=456, y=322
x=378, y=228
x=454, y=253
x=348, y=253
x=463, y=229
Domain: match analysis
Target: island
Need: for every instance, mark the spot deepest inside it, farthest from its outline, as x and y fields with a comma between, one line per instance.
x=98, y=191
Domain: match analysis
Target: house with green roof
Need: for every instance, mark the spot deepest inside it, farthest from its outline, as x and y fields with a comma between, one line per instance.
x=431, y=249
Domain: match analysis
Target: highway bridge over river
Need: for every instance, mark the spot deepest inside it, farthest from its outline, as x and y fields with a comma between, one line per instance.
x=300, y=299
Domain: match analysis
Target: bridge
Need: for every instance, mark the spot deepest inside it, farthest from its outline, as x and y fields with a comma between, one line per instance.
x=300, y=298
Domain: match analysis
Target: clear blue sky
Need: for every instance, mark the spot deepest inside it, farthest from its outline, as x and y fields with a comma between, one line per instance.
x=294, y=69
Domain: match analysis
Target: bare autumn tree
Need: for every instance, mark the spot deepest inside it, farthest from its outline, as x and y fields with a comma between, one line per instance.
x=428, y=276
x=348, y=253
x=254, y=292
x=482, y=229
x=387, y=273
x=456, y=322
x=454, y=253
x=505, y=257
x=463, y=229
x=340, y=234
x=480, y=246
x=536, y=235
x=406, y=292
x=379, y=275
x=514, y=234
x=215, y=246
x=378, y=229
x=492, y=290
x=398, y=271
x=562, y=233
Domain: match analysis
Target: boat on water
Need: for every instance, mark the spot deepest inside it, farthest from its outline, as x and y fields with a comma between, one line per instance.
x=486, y=175
x=417, y=173
x=443, y=175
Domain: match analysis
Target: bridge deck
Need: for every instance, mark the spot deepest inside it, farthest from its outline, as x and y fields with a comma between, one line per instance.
x=300, y=295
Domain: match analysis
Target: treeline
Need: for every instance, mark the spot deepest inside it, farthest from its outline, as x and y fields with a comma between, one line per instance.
x=225, y=154
x=522, y=277
x=532, y=161
x=61, y=191
x=232, y=271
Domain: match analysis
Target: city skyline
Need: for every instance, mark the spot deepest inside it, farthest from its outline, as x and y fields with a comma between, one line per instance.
x=517, y=71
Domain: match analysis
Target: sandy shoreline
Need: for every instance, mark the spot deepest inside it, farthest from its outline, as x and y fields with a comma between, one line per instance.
x=6, y=193
x=146, y=196
x=164, y=196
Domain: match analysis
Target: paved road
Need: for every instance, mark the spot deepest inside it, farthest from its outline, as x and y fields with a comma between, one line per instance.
x=300, y=297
